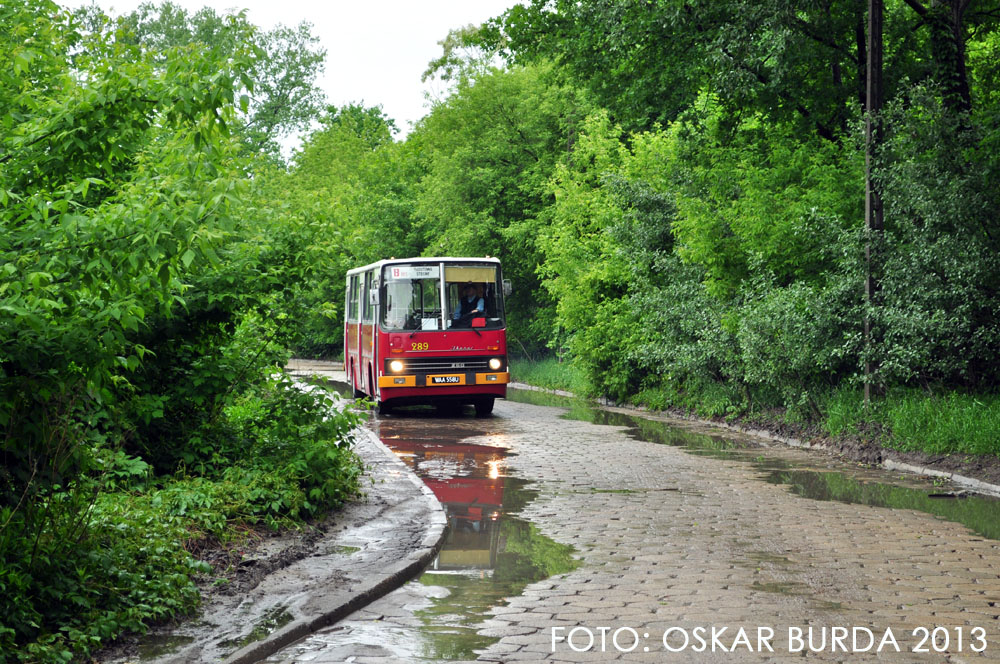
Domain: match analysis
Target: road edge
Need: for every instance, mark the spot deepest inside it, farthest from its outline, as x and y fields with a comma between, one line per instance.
x=969, y=483
x=408, y=567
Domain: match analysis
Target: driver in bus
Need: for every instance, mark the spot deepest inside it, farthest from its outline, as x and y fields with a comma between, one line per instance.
x=470, y=306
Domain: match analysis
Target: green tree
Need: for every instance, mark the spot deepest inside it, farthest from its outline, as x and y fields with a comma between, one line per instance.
x=347, y=200
x=488, y=151
x=284, y=97
x=648, y=61
x=142, y=321
x=117, y=185
x=115, y=181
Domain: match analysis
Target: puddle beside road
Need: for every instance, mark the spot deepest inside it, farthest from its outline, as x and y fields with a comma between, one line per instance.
x=981, y=514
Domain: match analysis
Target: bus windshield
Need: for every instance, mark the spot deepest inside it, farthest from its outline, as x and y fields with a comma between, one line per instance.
x=412, y=296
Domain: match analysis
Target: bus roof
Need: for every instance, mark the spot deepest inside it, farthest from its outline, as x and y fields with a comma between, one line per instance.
x=425, y=259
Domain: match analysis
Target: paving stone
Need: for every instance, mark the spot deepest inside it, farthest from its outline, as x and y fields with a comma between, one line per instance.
x=721, y=548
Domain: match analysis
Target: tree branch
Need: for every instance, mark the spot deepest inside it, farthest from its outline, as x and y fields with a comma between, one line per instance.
x=821, y=129
x=7, y=157
x=917, y=7
x=515, y=127
x=808, y=31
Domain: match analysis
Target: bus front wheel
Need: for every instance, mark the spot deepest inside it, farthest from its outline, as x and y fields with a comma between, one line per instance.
x=484, y=406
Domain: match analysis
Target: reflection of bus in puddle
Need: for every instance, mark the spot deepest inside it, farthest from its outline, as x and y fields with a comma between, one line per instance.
x=466, y=479
x=490, y=553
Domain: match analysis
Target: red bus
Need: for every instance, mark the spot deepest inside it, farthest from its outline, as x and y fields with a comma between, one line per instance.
x=427, y=331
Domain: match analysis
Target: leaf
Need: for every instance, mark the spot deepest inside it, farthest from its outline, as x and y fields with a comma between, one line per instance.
x=22, y=61
x=187, y=258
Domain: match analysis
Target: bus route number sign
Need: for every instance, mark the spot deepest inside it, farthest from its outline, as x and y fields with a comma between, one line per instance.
x=400, y=272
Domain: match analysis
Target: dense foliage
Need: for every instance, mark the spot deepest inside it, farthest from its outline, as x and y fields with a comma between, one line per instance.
x=142, y=322
x=677, y=188
x=722, y=247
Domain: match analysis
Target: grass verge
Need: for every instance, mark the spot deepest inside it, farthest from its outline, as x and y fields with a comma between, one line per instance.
x=947, y=422
x=943, y=422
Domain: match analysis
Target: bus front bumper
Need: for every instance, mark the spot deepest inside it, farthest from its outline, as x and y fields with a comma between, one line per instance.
x=445, y=380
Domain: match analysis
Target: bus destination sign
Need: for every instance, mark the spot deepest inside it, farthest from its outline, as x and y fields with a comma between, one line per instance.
x=400, y=272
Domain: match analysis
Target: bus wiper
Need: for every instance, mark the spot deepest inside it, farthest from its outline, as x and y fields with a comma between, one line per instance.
x=478, y=333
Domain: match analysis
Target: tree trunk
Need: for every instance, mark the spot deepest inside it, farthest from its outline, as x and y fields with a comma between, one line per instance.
x=862, y=46
x=948, y=52
x=946, y=21
x=873, y=202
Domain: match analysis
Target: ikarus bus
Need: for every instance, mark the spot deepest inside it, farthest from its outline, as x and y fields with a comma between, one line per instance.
x=427, y=331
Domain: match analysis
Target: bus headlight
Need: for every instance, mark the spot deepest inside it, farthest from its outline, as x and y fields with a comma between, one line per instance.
x=396, y=366
x=495, y=364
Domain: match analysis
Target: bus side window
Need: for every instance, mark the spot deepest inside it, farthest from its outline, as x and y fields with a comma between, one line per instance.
x=352, y=307
x=366, y=306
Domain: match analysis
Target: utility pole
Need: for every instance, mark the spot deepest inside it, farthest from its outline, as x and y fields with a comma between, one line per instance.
x=874, y=221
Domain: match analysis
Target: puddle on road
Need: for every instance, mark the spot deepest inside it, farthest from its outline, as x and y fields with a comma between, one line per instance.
x=490, y=553
x=271, y=621
x=157, y=645
x=981, y=514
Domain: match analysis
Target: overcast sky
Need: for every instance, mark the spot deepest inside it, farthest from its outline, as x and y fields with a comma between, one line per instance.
x=376, y=50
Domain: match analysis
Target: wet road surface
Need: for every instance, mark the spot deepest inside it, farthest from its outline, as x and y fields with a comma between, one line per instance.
x=568, y=518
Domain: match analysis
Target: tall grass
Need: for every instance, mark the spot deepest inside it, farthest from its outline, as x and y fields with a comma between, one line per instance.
x=951, y=423
x=844, y=411
x=549, y=373
x=913, y=420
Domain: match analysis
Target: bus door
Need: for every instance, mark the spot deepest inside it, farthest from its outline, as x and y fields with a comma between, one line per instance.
x=352, y=335
x=367, y=335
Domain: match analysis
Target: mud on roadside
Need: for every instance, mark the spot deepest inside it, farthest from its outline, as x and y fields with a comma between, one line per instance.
x=238, y=568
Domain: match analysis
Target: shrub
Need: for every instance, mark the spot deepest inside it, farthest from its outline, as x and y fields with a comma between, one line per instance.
x=797, y=341
x=941, y=308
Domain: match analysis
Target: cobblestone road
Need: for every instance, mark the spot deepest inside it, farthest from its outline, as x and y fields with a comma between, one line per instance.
x=673, y=540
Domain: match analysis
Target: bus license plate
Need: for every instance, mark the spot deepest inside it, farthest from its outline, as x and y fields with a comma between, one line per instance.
x=447, y=380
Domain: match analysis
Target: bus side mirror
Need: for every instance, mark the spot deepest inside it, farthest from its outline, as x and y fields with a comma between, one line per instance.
x=507, y=290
